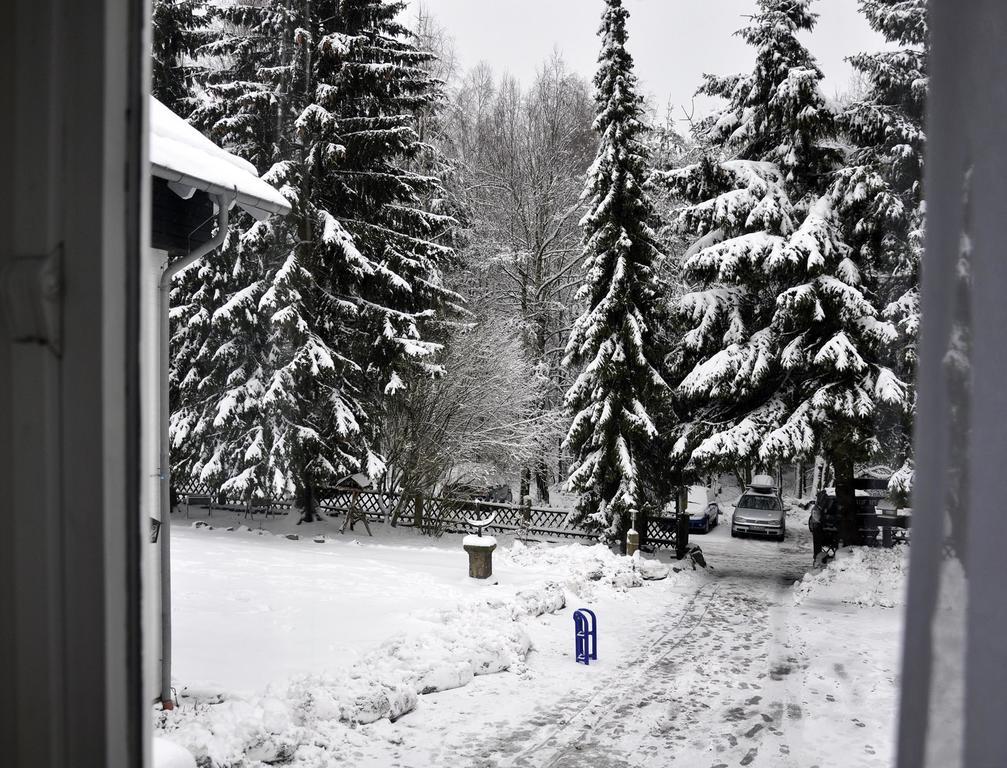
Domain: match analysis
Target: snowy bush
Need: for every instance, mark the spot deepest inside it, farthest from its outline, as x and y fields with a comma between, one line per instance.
x=484, y=412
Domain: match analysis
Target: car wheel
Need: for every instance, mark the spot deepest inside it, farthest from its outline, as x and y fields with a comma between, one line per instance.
x=734, y=533
x=782, y=535
x=706, y=526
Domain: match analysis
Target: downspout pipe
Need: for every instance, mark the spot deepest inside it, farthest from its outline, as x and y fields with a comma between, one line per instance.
x=171, y=269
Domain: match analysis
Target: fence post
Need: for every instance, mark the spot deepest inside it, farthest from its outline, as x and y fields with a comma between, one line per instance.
x=417, y=511
x=682, y=536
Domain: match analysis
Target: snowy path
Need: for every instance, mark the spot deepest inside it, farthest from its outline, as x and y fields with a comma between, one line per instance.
x=721, y=672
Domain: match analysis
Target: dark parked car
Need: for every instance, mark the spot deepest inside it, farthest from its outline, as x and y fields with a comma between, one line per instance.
x=874, y=512
x=703, y=513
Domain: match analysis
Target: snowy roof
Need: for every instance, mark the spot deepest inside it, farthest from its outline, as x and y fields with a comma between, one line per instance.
x=187, y=159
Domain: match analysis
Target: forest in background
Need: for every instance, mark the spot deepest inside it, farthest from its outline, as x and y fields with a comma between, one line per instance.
x=484, y=280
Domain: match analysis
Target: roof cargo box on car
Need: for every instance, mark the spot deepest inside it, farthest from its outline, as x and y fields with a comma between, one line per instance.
x=763, y=483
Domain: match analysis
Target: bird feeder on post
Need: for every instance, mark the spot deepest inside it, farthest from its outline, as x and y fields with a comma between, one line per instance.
x=352, y=485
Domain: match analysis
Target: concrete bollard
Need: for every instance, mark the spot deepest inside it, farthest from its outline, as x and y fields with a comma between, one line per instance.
x=632, y=535
x=480, y=550
x=632, y=542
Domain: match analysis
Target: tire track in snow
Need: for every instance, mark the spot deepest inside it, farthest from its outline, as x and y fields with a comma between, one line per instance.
x=751, y=580
x=603, y=706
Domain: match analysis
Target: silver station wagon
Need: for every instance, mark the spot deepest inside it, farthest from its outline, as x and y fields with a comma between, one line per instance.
x=760, y=510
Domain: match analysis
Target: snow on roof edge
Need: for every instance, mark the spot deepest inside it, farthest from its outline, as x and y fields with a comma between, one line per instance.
x=179, y=153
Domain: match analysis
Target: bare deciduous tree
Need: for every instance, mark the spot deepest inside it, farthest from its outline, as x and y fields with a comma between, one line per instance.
x=521, y=157
x=484, y=411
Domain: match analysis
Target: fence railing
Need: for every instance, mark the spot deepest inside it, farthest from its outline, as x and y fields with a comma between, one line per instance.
x=432, y=514
x=438, y=514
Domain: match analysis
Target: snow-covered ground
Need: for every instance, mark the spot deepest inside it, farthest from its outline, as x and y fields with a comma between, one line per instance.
x=319, y=654
x=282, y=645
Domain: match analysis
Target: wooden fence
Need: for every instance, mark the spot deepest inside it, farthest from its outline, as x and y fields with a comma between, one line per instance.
x=432, y=514
x=436, y=514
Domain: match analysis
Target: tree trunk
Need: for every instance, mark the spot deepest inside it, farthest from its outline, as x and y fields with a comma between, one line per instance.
x=740, y=477
x=681, y=499
x=542, y=482
x=846, y=498
x=308, y=514
x=418, y=512
x=525, y=483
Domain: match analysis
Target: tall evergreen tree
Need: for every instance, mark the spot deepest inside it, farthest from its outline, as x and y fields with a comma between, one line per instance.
x=619, y=393
x=787, y=353
x=286, y=331
x=377, y=84
x=179, y=29
x=879, y=195
x=259, y=380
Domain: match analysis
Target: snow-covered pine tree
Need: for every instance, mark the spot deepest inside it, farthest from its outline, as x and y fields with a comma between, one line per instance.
x=304, y=313
x=179, y=28
x=273, y=410
x=375, y=85
x=787, y=353
x=619, y=392
x=879, y=195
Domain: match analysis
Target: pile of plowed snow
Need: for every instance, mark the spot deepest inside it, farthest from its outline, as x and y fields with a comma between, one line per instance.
x=859, y=576
x=304, y=717
x=579, y=567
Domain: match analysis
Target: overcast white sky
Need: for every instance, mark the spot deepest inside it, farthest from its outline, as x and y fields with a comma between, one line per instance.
x=673, y=41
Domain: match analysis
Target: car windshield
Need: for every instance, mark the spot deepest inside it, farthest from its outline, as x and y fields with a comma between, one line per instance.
x=752, y=501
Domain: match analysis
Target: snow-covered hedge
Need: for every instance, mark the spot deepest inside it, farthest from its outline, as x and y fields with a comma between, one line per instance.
x=859, y=576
